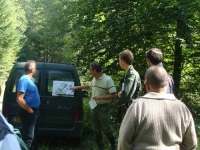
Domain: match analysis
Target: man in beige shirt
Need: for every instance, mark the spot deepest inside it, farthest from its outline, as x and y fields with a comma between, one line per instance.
x=157, y=121
x=103, y=92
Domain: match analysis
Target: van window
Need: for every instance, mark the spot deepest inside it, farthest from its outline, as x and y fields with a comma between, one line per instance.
x=16, y=76
x=56, y=75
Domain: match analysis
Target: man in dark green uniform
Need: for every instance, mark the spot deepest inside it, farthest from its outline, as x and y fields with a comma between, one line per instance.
x=131, y=83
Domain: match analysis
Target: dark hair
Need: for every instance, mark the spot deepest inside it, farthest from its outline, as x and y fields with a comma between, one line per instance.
x=156, y=76
x=29, y=64
x=96, y=66
x=127, y=56
x=154, y=55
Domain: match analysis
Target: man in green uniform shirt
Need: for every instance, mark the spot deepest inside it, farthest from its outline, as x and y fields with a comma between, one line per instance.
x=103, y=92
x=131, y=83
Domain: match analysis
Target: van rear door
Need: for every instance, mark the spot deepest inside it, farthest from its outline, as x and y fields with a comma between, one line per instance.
x=58, y=111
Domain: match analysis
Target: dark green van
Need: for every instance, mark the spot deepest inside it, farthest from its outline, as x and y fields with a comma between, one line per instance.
x=60, y=114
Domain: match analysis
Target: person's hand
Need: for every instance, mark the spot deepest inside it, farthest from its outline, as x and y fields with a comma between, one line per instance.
x=30, y=110
x=74, y=88
x=96, y=98
x=119, y=93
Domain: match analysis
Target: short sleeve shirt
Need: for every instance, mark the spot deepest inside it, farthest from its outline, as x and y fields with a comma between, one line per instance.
x=28, y=87
x=101, y=87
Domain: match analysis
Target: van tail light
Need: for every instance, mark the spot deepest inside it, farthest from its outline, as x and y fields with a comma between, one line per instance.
x=79, y=115
x=5, y=111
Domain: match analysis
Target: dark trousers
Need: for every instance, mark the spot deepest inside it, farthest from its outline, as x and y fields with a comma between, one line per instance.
x=28, y=122
x=100, y=119
x=122, y=111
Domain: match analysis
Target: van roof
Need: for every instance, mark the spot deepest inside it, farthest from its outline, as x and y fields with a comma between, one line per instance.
x=47, y=65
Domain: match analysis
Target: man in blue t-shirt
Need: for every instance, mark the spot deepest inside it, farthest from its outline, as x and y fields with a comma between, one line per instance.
x=29, y=101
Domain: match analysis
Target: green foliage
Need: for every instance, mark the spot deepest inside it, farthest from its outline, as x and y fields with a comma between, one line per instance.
x=81, y=31
x=48, y=37
x=12, y=26
x=104, y=28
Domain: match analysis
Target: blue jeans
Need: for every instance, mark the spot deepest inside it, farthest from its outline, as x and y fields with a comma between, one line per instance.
x=28, y=122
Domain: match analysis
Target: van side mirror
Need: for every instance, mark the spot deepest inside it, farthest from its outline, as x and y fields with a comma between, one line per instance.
x=85, y=94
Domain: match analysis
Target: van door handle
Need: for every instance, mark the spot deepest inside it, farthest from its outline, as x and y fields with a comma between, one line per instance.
x=64, y=107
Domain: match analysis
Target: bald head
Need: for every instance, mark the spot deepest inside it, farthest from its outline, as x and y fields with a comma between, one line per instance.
x=156, y=77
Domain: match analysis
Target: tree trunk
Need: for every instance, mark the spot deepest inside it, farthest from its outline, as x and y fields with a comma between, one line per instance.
x=177, y=59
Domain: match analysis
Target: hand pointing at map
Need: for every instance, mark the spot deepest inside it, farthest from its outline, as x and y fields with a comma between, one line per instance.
x=74, y=88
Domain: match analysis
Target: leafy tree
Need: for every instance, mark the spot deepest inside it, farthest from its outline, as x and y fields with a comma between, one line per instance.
x=48, y=35
x=81, y=31
x=12, y=25
x=107, y=27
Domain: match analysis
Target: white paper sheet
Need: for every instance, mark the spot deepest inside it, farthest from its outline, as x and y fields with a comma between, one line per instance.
x=122, y=86
x=62, y=88
x=92, y=103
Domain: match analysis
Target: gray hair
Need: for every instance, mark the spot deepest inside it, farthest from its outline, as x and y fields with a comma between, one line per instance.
x=157, y=77
x=29, y=65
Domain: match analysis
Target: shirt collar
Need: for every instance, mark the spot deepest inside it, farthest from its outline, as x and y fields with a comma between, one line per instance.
x=160, y=64
x=101, y=77
x=163, y=96
x=129, y=67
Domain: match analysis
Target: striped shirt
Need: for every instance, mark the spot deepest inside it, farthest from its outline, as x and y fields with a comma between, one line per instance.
x=101, y=87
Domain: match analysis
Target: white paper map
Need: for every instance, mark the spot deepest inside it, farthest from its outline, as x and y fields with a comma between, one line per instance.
x=92, y=103
x=62, y=88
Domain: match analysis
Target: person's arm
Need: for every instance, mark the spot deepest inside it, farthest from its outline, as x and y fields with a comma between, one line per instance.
x=22, y=102
x=74, y=88
x=189, y=141
x=106, y=97
x=130, y=86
